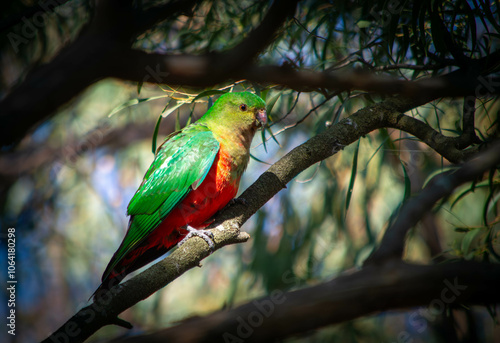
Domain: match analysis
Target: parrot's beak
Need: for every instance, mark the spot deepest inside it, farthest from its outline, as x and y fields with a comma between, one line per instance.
x=261, y=116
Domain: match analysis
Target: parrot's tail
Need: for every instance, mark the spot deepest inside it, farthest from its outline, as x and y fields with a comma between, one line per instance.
x=137, y=258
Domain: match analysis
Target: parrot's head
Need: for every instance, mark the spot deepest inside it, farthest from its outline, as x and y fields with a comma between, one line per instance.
x=240, y=112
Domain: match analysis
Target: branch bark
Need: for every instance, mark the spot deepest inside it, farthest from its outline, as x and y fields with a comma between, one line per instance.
x=233, y=217
x=99, y=51
x=394, y=285
x=106, y=310
x=103, y=50
x=393, y=242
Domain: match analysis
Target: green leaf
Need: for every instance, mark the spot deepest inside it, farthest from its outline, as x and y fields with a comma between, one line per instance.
x=353, y=177
x=490, y=196
x=139, y=87
x=177, y=122
x=190, y=118
x=210, y=103
x=387, y=137
x=263, y=134
x=263, y=93
x=471, y=19
x=256, y=88
x=489, y=244
x=273, y=136
x=155, y=133
x=362, y=24
x=437, y=31
x=407, y=193
x=272, y=102
x=165, y=113
x=437, y=172
x=473, y=186
x=258, y=160
x=467, y=240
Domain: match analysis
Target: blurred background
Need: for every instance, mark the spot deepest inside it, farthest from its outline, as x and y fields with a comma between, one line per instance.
x=66, y=186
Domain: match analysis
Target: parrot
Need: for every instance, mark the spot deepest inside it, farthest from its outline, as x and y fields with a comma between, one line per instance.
x=196, y=172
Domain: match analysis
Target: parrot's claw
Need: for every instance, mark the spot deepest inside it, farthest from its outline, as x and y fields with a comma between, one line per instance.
x=206, y=235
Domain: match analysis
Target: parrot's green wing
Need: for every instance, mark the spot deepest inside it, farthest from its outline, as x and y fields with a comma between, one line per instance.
x=181, y=164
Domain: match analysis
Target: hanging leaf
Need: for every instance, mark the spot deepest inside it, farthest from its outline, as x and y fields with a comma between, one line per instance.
x=471, y=19
x=155, y=133
x=363, y=24
x=258, y=160
x=166, y=112
x=353, y=177
x=437, y=172
x=256, y=88
x=468, y=239
x=271, y=103
x=407, y=192
x=263, y=135
x=438, y=31
x=471, y=188
x=490, y=196
x=263, y=93
x=273, y=136
x=190, y=118
x=177, y=121
x=210, y=103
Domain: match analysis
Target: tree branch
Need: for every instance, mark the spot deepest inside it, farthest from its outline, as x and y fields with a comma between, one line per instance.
x=394, y=285
x=106, y=310
x=393, y=242
x=233, y=217
x=77, y=66
x=100, y=51
x=103, y=55
x=199, y=71
x=450, y=148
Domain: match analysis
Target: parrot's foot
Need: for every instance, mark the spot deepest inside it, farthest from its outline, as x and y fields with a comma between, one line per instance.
x=206, y=235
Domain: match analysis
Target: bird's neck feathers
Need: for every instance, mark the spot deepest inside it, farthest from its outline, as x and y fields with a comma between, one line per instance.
x=235, y=142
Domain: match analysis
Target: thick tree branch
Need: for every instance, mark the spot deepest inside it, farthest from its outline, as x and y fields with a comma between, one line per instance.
x=451, y=148
x=468, y=123
x=271, y=182
x=207, y=70
x=393, y=242
x=373, y=289
x=82, y=63
x=106, y=310
x=99, y=52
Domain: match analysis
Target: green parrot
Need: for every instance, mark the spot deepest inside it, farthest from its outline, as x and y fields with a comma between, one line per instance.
x=195, y=173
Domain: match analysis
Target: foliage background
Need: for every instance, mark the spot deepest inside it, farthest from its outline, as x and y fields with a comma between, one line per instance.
x=66, y=185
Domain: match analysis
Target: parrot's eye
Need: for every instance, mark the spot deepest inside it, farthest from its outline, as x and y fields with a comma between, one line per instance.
x=243, y=107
